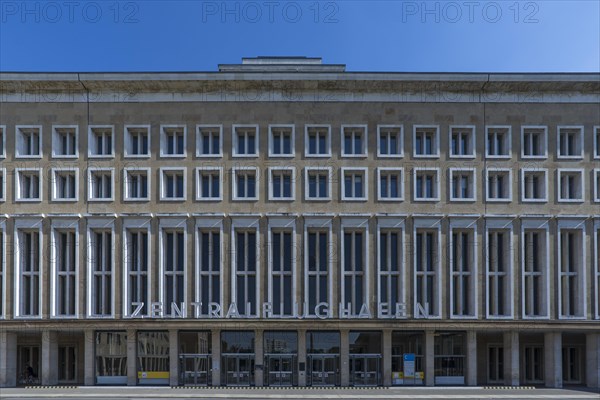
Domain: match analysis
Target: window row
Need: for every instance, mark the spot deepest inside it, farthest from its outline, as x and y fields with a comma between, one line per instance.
x=317, y=141
x=461, y=186
x=400, y=264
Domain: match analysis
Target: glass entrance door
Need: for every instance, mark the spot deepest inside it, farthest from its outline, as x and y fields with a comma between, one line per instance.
x=28, y=365
x=239, y=369
x=281, y=369
x=195, y=369
x=365, y=369
x=323, y=369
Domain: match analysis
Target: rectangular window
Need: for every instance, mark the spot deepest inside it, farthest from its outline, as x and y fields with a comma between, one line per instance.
x=495, y=364
x=67, y=364
x=136, y=264
x=572, y=364
x=390, y=259
x=65, y=141
x=318, y=141
x=28, y=141
x=281, y=293
x=137, y=141
x=111, y=357
x=354, y=184
x=391, y=184
x=534, y=142
x=2, y=184
x=100, y=184
x=317, y=183
x=426, y=273
x=595, y=177
x=245, y=183
x=390, y=141
x=463, y=273
x=2, y=141
x=29, y=273
x=282, y=183
x=570, y=142
x=173, y=139
x=426, y=141
x=29, y=184
x=317, y=267
x=426, y=184
x=354, y=140
x=462, y=141
x=596, y=142
x=498, y=263
x=534, y=185
x=535, y=270
x=596, y=274
x=499, y=185
x=246, y=284
x=136, y=184
x=571, y=276
x=462, y=184
x=245, y=141
x=209, y=268
x=100, y=142
x=281, y=140
x=65, y=264
x=570, y=186
x=65, y=185
x=2, y=273
x=533, y=364
x=173, y=286
x=208, y=140
x=499, y=142
x=208, y=183
x=172, y=184
x=101, y=259
x=354, y=270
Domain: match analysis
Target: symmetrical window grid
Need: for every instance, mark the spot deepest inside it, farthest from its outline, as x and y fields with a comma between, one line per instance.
x=65, y=141
x=2, y=141
x=390, y=184
x=569, y=142
x=209, y=141
x=245, y=140
x=173, y=140
x=596, y=142
x=390, y=141
x=317, y=141
x=101, y=141
x=137, y=141
x=426, y=141
x=282, y=183
x=101, y=184
x=354, y=140
x=463, y=270
x=208, y=265
x=427, y=249
x=282, y=141
x=498, y=142
x=354, y=184
x=245, y=183
x=173, y=184
x=28, y=184
x=595, y=177
x=571, y=265
x=498, y=186
x=28, y=141
x=28, y=279
x=173, y=257
x=570, y=185
x=137, y=272
x=209, y=183
x=463, y=184
x=426, y=184
x=499, y=264
x=245, y=282
x=282, y=266
x=318, y=259
x=136, y=185
x=101, y=279
x=534, y=185
x=317, y=183
x=65, y=250
x=65, y=184
x=390, y=266
x=535, y=293
x=534, y=142
x=354, y=284
x=462, y=141
x=3, y=180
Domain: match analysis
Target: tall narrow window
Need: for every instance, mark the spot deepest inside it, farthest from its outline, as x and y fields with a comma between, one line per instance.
x=64, y=141
x=354, y=270
x=426, y=141
x=2, y=184
x=100, y=141
x=534, y=142
x=498, y=262
x=137, y=141
x=572, y=289
x=570, y=185
x=570, y=142
x=245, y=271
x=209, y=270
x=390, y=184
x=244, y=183
x=136, y=184
x=66, y=272
x=533, y=364
x=390, y=141
x=354, y=184
x=281, y=275
x=173, y=139
x=173, y=268
x=426, y=273
x=498, y=143
x=28, y=142
x=282, y=182
x=208, y=141
x=354, y=141
x=208, y=184
x=245, y=141
x=172, y=184
x=390, y=267
x=100, y=184
x=29, y=273
x=462, y=141
x=317, y=141
x=29, y=184
x=2, y=141
x=101, y=258
x=535, y=270
x=65, y=185
x=136, y=262
x=495, y=364
x=281, y=141
x=426, y=184
x=463, y=273
x=317, y=268
x=317, y=183
x=596, y=142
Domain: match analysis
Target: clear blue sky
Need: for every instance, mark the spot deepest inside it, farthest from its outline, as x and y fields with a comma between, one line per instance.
x=195, y=35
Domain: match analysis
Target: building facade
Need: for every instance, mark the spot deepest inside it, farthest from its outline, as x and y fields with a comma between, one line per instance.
x=282, y=222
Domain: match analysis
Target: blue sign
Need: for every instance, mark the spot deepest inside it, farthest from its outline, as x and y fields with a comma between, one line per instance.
x=409, y=357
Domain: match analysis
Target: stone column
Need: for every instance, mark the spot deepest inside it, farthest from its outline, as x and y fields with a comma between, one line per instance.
x=173, y=357
x=8, y=359
x=471, y=358
x=49, y=361
x=387, y=358
x=553, y=359
x=429, y=358
x=259, y=359
x=215, y=337
x=592, y=360
x=511, y=359
x=302, y=357
x=88, y=358
x=131, y=357
x=344, y=357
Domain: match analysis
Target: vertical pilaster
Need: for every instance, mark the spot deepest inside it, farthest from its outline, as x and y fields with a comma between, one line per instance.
x=511, y=359
x=553, y=359
x=131, y=357
x=259, y=358
x=592, y=360
x=387, y=358
x=173, y=357
x=344, y=357
x=302, y=357
x=8, y=359
x=215, y=337
x=88, y=358
x=429, y=358
x=471, y=358
x=49, y=362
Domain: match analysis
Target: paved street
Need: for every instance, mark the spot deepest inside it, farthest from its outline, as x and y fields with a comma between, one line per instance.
x=291, y=393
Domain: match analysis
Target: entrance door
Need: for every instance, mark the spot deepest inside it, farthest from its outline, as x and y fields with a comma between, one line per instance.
x=195, y=369
x=67, y=364
x=281, y=369
x=239, y=369
x=365, y=369
x=323, y=369
x=28, y=356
